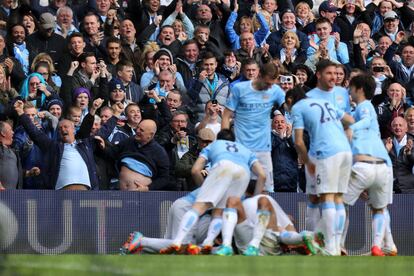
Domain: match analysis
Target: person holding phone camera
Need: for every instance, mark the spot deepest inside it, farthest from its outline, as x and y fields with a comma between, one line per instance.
x=34, y=89
x=382, y=75
x=210, y=85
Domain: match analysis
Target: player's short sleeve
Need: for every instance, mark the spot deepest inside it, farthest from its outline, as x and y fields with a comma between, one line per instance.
x=297, y=118
x=278, y=95
x=252, y=159
x=233, y=99
x=340, y=113
x=205, y=152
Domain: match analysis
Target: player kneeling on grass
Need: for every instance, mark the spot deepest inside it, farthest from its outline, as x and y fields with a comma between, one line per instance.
x=205, y=231
x=229, y=176
x=262, y=228
x=372, y=168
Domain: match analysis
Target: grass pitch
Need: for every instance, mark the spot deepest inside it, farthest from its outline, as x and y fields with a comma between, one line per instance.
x=77, y=265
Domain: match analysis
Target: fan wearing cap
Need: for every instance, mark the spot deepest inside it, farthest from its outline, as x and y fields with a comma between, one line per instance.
x=377, y=9
x=328, y=10
x=116, y=93
x=46, y=40
x=391, y=26
x=81, y=99
x=205, y=137
x=163, y=60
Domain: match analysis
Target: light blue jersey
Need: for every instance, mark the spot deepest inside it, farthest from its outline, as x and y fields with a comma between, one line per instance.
x=338, y=96
x=322, y=121
x=252, y=109
x=366, y=138
x=231, y=151
x=191, y=197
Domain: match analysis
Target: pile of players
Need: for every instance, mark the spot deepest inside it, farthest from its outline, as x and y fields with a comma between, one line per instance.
x=338, y=145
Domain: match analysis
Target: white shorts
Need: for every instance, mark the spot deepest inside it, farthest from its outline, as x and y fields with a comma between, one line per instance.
x=331, y=174
x=224, y=180
x=375, y=178
x=175, y=215
x=243, y=232
x=265, y=159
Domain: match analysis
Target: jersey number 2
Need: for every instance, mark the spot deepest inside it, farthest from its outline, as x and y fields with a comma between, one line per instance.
x=324, y=108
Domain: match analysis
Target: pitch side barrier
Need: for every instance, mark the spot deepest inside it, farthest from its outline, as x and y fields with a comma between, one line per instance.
x=98, y=222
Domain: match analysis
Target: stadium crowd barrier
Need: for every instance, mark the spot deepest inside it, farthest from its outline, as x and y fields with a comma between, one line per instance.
x=63, y=222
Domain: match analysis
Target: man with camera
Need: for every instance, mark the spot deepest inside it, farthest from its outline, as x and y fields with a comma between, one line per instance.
x=177, y=139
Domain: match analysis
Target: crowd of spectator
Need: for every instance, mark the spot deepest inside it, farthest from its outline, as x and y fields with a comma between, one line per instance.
x=123, y=94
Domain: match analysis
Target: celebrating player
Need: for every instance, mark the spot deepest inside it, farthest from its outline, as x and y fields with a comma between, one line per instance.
x=262, y=227
x=251, y=103
x=230, y=175
x=329, y=160
x=372, y=170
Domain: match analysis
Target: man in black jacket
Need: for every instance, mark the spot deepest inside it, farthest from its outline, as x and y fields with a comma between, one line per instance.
x=143, y=148
x=45, y=40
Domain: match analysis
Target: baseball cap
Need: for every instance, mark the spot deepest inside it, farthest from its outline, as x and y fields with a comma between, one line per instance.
x=391, y=15
x=206, y=134
x=116, y=83
x=327, y=6
x=47, y=21
x=286, y=11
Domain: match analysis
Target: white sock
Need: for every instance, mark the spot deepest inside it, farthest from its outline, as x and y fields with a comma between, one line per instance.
x=340, y=224
x=346, y=226
x=229, y=222
x=188, y=221
x=388, y=239
x=313, y=216
x=291, y=238
x=263, y=217
x=152, y=245
x=213, y=230
x=328, y=225
x=378, y=229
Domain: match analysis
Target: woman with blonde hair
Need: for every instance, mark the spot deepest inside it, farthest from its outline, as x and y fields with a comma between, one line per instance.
x=182, y=25
x=147, y=55
x=304, y=15
x=52, y=79
x=246, y=24
x=289, y=50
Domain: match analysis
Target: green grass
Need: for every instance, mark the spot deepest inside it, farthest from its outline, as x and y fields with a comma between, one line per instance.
x=77, y=265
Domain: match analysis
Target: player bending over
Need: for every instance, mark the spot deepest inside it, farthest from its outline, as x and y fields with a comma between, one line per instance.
x=229, y=176
x=205, y=231
x=263, y=228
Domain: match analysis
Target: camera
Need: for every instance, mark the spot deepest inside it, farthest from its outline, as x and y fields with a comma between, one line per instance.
x=214, y=101
x=184, y=129
x=37, y=119
x=378, y=69
x=286, y=79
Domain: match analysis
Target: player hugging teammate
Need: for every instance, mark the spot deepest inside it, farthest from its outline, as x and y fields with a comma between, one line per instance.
x=339, y=144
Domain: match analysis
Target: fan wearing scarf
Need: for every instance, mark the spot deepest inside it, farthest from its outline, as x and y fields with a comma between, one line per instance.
x=35, y=90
